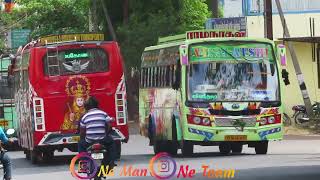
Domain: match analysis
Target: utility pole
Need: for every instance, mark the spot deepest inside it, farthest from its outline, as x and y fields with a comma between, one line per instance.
x=296, y=65
x=268, y=30
x=125, y=11
x=110, y=26
x=215, y=8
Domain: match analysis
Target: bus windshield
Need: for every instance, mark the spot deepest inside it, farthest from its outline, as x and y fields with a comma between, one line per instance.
x=233, y=79
x=76, y=61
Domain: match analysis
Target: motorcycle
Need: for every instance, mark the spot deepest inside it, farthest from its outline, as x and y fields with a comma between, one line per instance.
x=98, y=152
x=300, y=113
x=9, y=132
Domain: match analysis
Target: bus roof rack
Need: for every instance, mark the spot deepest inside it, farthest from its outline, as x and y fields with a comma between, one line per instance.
x=169, y=39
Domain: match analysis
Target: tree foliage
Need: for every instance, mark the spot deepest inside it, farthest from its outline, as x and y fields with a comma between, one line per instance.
x=152, y=19
x=147, y=21
x=52, y=16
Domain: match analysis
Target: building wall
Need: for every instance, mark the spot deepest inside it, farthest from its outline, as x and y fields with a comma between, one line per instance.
x=299, y=26
x=292, y=94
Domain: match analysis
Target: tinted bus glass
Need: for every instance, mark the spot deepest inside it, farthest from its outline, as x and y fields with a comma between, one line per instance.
x=76, y=61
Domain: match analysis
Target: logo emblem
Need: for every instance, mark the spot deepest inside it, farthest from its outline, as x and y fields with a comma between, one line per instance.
x=235, y=106
x=76, y=66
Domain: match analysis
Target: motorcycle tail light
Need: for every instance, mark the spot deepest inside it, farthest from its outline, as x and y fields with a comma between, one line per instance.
x=96, y=146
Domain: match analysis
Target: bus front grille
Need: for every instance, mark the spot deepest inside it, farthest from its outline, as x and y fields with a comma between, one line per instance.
x=232, y=122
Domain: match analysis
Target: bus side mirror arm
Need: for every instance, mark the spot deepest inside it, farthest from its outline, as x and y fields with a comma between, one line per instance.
x=285, y=77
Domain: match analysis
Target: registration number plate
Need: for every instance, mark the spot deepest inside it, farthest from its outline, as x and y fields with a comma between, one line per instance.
x=97, y=155
x=235, y=138
x=75, y=138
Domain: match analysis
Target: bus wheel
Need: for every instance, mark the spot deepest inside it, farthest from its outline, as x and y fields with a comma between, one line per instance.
x=186, y=148
x=225, y=148
x=35, y=156
x=261, y=147
x=236, y=147
x=173, y=145
x=27, y=153
x=118, y=147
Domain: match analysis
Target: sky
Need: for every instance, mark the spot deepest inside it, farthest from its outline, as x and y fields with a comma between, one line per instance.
x=232, y=8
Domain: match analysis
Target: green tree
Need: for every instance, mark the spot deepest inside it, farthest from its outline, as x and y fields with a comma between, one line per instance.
x=149, y=20
x=53, y=16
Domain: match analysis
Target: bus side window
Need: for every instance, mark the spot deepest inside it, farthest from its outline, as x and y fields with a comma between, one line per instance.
x=145, y=79
x=154, y=76
x=173, y=76
x=167, y=70
x=149, y=77
x=159, y=76
x=162, y=76
x=141, y=77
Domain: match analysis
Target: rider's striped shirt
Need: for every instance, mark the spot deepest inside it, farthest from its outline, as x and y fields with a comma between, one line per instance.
x=95, y=123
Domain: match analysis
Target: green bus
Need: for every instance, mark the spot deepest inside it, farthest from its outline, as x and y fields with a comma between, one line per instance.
x=211, y=88
x=8, y=118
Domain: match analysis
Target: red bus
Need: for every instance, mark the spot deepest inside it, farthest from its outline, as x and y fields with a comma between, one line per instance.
x=52, y=77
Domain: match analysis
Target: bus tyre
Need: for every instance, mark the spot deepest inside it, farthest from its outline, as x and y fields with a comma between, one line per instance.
x=34, y=156
x=158, y=146
x=172, y=148
x=261, y=147
x=28, y=155
x=186, y=148
x=236, y=148
x=225, y=148
x=173, y=145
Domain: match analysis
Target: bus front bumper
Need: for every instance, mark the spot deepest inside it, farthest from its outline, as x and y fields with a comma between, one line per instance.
x=218, y=134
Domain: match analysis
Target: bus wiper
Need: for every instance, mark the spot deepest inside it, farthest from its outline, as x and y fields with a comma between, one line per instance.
x=224, y=50
x=244, y=58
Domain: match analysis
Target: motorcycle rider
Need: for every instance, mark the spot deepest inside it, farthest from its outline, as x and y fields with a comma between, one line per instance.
x=95, y=127
x=4, y=158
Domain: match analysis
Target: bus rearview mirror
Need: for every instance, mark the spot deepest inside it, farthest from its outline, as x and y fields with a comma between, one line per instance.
x=184, y=55
x=282, y=54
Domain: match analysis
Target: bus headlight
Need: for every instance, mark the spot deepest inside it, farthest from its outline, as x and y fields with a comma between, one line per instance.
x=206, y=121
x=263, y=121
x=197, y=120
x=271, y=120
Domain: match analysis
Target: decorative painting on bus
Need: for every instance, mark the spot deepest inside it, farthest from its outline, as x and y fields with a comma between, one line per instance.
x=78, y=90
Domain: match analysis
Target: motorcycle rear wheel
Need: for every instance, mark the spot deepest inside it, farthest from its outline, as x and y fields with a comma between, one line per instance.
x=298, y=117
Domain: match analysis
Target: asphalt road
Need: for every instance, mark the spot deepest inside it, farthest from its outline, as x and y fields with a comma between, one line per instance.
x=294, y=158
